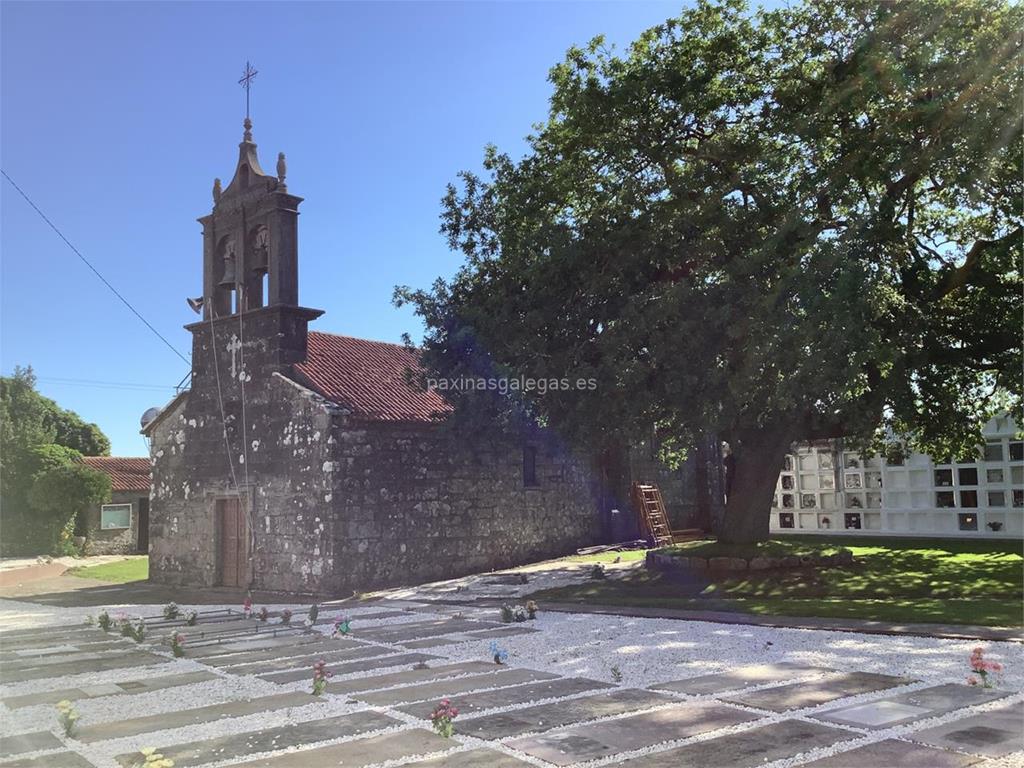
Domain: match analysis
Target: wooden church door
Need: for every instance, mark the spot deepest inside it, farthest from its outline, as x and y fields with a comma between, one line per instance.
x=233, y=537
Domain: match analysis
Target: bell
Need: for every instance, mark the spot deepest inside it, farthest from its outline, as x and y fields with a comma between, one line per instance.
x=229, y=273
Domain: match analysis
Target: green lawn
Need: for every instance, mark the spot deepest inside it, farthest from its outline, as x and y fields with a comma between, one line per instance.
x=135, y=569
x=909, y=580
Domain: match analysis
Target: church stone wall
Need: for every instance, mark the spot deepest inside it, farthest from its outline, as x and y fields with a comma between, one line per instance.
x=284, y=469
x=415, y=504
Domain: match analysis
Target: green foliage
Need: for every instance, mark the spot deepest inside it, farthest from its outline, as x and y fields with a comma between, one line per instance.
x=765, y=226
x=36, y=438
x=58, y=495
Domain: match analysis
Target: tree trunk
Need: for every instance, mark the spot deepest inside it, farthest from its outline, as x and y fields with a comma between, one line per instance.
x=759, y=456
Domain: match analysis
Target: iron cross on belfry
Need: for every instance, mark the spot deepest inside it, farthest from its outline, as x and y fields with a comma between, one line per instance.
x=246, y=82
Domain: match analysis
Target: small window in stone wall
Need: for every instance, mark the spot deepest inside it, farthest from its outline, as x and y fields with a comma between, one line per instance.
x=944, y=499
x=786, y=520
x=851, y=520
x=529, y=466
x=115, y=517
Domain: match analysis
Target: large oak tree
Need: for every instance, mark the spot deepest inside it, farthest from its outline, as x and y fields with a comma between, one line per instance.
x=766, y=226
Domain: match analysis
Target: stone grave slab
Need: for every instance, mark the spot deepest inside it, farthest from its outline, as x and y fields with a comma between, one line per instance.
x=340, y=670
x=742, y=677
x=520, y=694
x=411, y=676
x=536, y=719
x=181, y=718
x=579, y=743
x=65, y=649
x=813, y=693
x=434, y=642
x=42, y=662
x=910, y=706
x=28, y=653
x=471, y=758
x=286, y=652
x=510, y=631
x=122, y=661
x=399, y=633
x=316, y=653
x=360, y=752
x=269, y=739
x=53, y=760
x=109, y=689
x=447, y=688
x=51, y=637
x=891, y=753
x=995, y=733
x=28, y=742
x=358, y=617
x=257, y=643
x=747, y=749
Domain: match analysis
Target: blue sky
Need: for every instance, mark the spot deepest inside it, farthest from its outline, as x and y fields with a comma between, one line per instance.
x=117, y=117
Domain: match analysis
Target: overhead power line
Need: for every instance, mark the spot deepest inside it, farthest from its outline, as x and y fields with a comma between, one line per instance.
x=94, y=270
x=126, y=385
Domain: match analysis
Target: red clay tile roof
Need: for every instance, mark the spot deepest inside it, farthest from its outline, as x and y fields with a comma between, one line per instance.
x=368, y=378
x=126, y=473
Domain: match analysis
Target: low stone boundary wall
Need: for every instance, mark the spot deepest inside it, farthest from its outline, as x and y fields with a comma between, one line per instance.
x=656, y=561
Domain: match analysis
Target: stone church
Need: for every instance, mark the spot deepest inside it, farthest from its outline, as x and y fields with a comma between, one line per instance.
x=303, y=461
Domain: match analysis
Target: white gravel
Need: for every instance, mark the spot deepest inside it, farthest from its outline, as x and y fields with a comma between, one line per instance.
x=643, y=651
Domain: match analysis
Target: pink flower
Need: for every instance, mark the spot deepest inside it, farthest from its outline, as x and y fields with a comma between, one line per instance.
x=978, y=651
x=972, y=680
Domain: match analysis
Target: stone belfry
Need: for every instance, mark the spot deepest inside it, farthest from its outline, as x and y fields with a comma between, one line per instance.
x=252, y=323
x=250, y=239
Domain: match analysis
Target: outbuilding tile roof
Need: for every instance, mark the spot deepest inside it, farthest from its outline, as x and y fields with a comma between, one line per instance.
x=127, y=473
x=369, y=378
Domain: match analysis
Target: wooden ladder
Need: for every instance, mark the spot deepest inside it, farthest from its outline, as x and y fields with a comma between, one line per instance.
x=653, y=517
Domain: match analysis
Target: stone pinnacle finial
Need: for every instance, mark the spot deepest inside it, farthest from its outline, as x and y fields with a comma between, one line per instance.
x=247, y=136
x=282, y=167
x=216, y=191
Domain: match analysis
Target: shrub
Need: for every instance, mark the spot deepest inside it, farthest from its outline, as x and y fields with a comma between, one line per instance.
x=58, y=495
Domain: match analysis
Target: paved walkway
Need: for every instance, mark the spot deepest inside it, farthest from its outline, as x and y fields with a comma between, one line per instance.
x=241, y=697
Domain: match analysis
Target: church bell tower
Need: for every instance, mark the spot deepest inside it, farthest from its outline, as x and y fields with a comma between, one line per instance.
x=252, y=323
x=250, y=239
